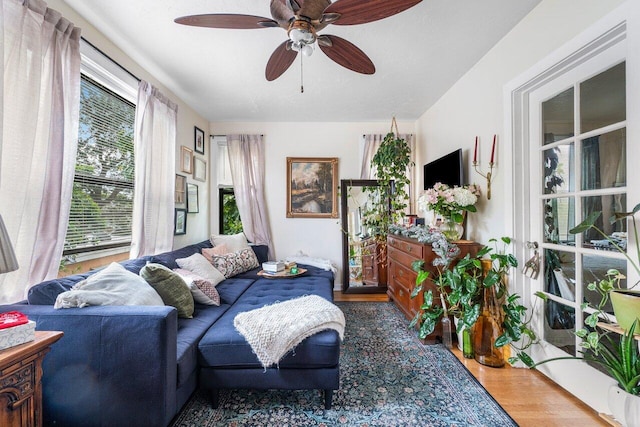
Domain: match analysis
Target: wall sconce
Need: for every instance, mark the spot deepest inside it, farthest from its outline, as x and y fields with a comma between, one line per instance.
x=487, y=176
x=8, y=260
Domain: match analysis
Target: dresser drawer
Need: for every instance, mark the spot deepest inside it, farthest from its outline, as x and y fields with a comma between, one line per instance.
x=414, y=249
x=401, y=257
x=401, y=275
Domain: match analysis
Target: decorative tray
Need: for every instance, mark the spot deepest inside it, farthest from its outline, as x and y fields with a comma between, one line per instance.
x=281, y=274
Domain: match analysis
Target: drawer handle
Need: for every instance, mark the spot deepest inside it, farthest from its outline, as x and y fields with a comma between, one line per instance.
x=400, y=273
x=401, y=293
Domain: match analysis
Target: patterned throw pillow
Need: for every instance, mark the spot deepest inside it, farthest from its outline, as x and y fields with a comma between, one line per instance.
x=236, y=262
x=203, y=290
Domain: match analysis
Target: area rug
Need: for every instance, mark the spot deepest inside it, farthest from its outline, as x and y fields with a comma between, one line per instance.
x=388, y=378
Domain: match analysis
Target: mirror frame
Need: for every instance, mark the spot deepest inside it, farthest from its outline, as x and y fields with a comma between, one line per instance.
x=344, y=211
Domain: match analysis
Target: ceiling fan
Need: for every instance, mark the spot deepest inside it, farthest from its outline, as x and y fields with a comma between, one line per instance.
x=303, y=19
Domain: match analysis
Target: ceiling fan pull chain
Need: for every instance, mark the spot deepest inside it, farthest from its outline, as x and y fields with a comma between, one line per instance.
x=301, y=75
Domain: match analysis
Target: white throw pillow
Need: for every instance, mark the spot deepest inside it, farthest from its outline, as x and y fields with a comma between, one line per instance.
x=114, y=285
x=234, y=242
x=198, y=264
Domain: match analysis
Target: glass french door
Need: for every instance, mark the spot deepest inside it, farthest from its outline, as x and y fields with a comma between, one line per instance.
x=578, y=155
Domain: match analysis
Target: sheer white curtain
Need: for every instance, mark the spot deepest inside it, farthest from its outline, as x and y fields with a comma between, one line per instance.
x=246, y=159
x=155, y=147
x=41, y=99
x=371, y=144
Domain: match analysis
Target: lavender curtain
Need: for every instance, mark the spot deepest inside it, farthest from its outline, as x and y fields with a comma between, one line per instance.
x=41, y=98
x=246, y=159
x=155, y=147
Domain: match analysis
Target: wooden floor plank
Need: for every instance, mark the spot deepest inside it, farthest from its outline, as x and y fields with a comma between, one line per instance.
x=529, y=397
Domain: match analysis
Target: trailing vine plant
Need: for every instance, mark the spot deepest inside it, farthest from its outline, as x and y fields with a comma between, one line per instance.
x=391, y=163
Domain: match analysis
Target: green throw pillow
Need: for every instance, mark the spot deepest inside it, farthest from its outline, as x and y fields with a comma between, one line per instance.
x=172, y=289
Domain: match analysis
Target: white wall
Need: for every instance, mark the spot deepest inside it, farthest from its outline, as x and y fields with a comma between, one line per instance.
x=315, y=237
x=474, y=105
x=197, y=224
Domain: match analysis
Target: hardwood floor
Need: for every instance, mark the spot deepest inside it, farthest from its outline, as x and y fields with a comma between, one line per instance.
x=529, y=397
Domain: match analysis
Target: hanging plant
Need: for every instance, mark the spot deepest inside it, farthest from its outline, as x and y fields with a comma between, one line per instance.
x=391, y=163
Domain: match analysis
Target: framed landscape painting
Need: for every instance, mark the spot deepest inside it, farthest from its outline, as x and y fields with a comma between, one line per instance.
x=312, y=187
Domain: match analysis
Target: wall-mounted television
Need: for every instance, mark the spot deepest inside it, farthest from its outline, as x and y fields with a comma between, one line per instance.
x=447, y=170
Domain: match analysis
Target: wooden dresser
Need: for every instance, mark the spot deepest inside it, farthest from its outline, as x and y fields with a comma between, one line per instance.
x=20, y=381
x=374, y=266
x=401, y=252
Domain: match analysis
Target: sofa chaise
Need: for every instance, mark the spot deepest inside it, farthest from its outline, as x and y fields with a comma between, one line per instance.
x=138, y=365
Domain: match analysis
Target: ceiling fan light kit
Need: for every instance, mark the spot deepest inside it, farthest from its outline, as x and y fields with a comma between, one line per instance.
x=303, y=19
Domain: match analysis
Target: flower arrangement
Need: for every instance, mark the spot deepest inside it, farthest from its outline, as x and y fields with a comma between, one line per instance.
x=450, y=202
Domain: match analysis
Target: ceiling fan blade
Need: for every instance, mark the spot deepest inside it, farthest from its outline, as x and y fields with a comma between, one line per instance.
x=313, y=9
x=294, y=5
x=362, y=11
x=346, y=54
x=229, y=21
x=281, y=59
x=281, y=13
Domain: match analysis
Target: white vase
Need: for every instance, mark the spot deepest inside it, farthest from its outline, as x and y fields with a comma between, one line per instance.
x=624, y=407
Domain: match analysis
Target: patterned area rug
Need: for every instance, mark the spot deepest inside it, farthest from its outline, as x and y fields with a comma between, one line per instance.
x=388, y=378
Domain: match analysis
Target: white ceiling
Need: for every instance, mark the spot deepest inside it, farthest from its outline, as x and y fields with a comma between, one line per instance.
x=418, y=55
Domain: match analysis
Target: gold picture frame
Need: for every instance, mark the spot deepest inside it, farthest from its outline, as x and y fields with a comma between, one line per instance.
x=186, y=159
x=312, y=187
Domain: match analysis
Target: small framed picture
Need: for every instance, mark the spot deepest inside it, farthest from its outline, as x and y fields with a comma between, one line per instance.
x=199, y=169
x=181, y=186
x=192, y=198
x=180, y=222
x=198, y=140
x=186, y=159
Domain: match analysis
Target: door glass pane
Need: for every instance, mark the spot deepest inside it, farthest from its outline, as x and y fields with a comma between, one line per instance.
x=607, y=204
x=559, y=278
x=559, y=174
x=603, y=99
x=559, y=218
x=557, y=117
x=604, y=160
x=594, y=269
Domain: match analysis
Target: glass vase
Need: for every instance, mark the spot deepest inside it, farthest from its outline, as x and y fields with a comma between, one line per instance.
x=451, y=230
x=488, y=328
x=467, y=344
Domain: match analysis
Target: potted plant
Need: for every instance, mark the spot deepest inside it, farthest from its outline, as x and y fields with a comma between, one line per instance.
x=459, y=288
x=620, y=358
x=390, y=197
x=451, y=203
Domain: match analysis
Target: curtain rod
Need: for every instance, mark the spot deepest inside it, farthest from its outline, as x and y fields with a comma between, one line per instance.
x=110, y=59
x=381, y=134
x=213, y=135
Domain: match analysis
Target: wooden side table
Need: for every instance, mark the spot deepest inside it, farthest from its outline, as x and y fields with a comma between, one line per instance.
x=21, y=381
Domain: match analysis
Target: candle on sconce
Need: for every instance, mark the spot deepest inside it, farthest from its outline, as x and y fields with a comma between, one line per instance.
x=475, y=152
x=493, y=149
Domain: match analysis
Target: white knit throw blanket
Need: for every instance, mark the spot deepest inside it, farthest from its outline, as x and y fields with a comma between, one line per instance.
x=274, y=330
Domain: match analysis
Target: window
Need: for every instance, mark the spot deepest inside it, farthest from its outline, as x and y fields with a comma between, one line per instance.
x=228, y=214
x=102, y=199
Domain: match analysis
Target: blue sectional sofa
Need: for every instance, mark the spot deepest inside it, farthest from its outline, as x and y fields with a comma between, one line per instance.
x=138, y=365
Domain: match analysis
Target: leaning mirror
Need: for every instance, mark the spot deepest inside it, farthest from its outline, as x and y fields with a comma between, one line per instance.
x=363, y=266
